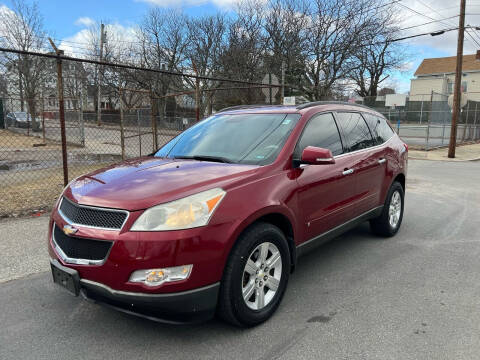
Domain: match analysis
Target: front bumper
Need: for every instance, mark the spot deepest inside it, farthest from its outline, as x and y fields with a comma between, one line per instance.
x=205, y=248
x=189, y=306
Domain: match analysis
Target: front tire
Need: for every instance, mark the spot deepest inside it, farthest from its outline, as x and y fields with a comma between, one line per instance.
x=389, y=221
x=255, y=277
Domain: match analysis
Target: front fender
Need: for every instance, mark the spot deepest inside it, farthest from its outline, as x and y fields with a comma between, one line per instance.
x=242, y=224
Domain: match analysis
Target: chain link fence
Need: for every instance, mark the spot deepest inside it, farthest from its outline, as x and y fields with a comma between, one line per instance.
x=31, y=163
x=424, y=122
x=140, y=110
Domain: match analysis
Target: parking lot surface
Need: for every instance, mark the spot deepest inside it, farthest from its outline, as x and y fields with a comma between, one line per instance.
x=414, y=296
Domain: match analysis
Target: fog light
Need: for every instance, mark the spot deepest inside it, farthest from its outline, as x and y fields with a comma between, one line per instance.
x=155, y=277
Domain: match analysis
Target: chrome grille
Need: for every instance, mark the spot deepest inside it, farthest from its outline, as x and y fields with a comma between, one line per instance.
x=90, y=216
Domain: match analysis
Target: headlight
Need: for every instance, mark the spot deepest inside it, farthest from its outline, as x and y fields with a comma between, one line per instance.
x=155, y=277
x=192, y=211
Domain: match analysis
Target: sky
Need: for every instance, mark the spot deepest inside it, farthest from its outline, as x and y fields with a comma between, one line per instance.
x=67, y=20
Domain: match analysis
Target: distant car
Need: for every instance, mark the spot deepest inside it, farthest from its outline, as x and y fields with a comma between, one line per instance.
x=19, y=119
x=214, y=221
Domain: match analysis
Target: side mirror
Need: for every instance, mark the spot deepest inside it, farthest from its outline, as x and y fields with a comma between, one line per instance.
x=317, y=156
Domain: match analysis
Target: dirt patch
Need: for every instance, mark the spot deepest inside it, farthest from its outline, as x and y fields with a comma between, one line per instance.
x=39, y=194
x=11, y=140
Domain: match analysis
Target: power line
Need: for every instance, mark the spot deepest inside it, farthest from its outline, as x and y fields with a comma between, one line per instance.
x=416, y=12
x=467, y=31
x=126, y=66
x=434, y=10
x=365, y=10
x=431, y=18
x=428, y=23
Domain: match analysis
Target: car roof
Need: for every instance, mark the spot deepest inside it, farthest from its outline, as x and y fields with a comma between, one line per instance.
x=297, y=109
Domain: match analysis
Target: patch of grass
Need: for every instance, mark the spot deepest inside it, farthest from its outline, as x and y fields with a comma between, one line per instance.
x=39, y=193
x=12, y=140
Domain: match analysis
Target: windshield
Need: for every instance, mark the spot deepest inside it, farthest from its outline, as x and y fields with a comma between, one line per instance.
x=240, y=138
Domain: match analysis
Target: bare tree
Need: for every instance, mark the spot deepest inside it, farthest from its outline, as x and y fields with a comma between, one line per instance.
x=163, y=39
x=23, y=30
x=285, y=28
x=372, y=62
x=207, y=41
x=244, y=55
x=337, y=29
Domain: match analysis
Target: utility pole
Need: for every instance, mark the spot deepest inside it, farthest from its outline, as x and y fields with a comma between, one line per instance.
x=99, y=77
x=458, y=82
x=61, y=111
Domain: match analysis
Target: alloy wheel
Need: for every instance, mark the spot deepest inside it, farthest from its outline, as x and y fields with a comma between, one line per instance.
x=395, y=209
x=261, y=276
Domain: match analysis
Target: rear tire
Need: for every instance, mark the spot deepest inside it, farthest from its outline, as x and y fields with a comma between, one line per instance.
x=389, y=221
x=249, y=294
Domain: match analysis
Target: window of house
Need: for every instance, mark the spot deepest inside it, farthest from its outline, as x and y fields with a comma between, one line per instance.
x=451, y=87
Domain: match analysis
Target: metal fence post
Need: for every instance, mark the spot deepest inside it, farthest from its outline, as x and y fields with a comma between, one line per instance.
x=122, y=132
x=61, y=111
x=466, y=123
x=474, y=135
x=443, y=129
x=421, y=111
x=429, y=121
x=82, y=123
x=43, y=119
x=139, y=133
x=153, y=116
x=270, y=87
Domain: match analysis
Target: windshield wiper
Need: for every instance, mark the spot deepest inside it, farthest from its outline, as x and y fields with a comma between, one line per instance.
x=205, y=158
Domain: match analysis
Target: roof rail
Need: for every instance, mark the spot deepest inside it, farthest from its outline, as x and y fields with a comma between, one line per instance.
x=240, y=107
x=316, y=103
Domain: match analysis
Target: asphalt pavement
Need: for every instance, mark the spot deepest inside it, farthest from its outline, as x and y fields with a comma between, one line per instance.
x=414, y=296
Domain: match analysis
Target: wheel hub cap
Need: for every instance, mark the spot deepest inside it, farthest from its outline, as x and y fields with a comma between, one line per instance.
x=395, y=209
x=261, y=276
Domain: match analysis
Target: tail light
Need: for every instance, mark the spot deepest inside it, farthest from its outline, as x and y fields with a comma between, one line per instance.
x=406, y=147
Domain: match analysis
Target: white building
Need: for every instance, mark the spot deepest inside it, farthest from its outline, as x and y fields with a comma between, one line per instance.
x=438, y=75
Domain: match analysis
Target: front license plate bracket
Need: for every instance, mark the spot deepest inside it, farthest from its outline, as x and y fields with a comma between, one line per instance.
x=65, y=277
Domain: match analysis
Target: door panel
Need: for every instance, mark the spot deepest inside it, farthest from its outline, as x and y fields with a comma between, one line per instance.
x=373, y=164
x=365, y=158
x=369, y=166
x=325, y=194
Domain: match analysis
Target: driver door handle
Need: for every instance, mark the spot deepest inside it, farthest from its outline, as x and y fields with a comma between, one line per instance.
x=347, y=172
x=381, y=161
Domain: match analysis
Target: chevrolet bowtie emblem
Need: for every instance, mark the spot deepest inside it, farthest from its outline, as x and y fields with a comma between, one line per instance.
x=69, y=230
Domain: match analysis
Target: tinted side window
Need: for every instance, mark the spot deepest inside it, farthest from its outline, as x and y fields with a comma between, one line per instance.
x=320, y=131
x=355, y=130
x=381, y=131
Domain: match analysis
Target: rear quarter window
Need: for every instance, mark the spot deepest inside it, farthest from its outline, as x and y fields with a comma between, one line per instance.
x=355, y=131
x=379, y=127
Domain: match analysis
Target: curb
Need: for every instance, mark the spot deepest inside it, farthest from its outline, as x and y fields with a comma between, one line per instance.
x=445, y=160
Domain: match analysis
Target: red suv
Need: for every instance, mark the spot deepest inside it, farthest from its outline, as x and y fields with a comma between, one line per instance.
x=215, y=220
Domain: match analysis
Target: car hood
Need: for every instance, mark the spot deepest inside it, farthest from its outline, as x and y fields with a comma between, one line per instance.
x=145, y=182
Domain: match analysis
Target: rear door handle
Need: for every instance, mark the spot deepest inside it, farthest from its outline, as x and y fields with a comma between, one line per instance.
x=347, y=172
x=381, y=161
